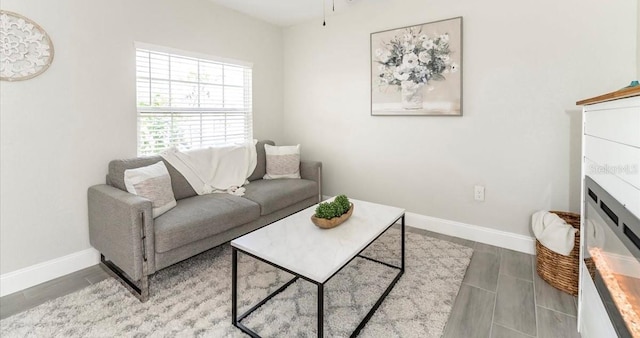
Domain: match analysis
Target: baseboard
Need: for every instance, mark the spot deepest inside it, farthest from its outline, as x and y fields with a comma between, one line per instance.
x=36, y=274
x=499, y=238
x=476, y=233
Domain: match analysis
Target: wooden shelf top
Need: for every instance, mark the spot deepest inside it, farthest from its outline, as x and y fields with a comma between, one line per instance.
x=618, y=94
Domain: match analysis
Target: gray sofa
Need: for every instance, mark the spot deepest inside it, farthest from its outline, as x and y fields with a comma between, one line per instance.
x=134, y=245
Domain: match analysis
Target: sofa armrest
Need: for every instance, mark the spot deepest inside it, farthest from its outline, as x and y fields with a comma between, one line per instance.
x=312, y=170
x=121, y=228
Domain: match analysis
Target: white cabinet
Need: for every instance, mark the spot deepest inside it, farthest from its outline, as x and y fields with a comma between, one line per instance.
x=594, y=320
x=611, y=149
x=611, y=157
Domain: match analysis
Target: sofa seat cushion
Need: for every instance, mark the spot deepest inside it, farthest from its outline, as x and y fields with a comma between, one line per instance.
x=273, y=195
x=198, y=217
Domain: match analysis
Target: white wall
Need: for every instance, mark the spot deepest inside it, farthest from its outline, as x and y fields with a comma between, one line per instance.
x=60, y=129
x=525, y=65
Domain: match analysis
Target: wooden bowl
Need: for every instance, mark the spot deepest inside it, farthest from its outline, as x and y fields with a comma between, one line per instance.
x=331, y=223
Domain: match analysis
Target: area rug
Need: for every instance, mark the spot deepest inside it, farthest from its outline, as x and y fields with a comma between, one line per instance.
x=193, y=298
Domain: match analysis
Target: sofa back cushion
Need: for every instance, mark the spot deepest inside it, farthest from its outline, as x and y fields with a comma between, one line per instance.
x=261, y=166
x=181, y=188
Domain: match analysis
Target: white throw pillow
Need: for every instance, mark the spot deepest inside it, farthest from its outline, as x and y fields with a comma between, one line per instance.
x=282, y=161
x=154, y=183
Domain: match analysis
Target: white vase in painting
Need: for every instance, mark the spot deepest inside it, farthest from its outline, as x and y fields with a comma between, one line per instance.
x=411, y=95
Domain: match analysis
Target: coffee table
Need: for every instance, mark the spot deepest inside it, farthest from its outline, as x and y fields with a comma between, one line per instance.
x=298, y=247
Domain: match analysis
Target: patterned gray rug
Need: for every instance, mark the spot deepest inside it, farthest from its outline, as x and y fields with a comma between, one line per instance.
x=193, y=298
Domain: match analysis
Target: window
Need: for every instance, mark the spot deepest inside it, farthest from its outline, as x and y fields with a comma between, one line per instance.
x=190, y=101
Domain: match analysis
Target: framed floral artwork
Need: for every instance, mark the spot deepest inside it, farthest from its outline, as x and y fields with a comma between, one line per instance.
x=417, y=70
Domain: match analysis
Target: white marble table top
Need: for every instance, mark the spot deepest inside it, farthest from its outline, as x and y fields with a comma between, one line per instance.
x=296, y=244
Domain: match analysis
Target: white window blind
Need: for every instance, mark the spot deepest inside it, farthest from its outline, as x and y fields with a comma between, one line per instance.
x=190, y=102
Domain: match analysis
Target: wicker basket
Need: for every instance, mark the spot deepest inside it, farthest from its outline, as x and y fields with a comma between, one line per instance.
x=558, y=270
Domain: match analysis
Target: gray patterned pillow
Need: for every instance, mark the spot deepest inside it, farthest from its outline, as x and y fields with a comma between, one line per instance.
x=282, y=161
x=154, y=183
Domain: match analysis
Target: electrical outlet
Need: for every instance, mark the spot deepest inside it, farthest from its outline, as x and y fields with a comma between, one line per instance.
x=478, y=193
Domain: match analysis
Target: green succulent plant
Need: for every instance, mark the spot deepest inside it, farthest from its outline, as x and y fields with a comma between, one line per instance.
x=324, y=210
x=343, y=201
x=329, y=210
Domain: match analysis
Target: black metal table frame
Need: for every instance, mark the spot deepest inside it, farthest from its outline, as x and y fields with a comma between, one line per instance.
x=236, y=320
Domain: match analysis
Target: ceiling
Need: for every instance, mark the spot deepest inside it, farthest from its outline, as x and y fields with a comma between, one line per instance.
x=283, y=12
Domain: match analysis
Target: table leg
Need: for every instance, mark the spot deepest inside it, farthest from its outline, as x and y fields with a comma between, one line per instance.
x=234, y=286
x=402, y=244
x=320, y=310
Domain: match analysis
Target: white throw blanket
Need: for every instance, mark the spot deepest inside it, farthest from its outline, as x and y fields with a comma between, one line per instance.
x=553, y=232
x=215, y=169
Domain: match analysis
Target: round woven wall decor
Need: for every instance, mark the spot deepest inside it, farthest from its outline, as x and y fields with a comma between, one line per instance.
x=26, y=50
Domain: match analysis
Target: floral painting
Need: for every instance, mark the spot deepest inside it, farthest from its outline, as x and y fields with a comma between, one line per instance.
x=417, y=70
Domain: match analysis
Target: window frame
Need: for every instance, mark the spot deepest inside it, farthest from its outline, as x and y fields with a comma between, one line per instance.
x=212, y=114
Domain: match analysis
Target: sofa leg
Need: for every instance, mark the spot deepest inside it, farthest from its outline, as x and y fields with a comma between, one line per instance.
x=139, y=289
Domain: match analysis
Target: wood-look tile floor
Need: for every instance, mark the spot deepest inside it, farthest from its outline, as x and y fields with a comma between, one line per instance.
x=501, y=296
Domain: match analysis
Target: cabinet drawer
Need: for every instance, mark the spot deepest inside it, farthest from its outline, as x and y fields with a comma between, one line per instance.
x=622, y=191
x=619, y=125
x=617, y=159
